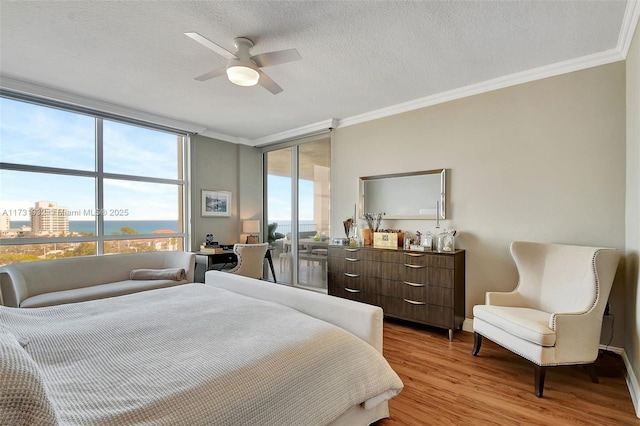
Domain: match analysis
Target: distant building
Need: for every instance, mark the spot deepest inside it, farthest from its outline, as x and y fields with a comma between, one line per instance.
x=47, y=218
x=7, y=232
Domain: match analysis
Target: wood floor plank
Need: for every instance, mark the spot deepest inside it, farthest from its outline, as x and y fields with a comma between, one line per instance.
x=446, y=385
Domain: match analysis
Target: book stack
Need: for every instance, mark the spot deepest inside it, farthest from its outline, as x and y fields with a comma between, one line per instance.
x=210, y=249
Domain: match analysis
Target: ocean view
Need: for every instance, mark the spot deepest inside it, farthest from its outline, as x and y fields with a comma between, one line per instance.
x=149, y=226
x=113, y=226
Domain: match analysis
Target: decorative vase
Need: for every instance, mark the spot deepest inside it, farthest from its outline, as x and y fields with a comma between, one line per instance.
x=367, y=236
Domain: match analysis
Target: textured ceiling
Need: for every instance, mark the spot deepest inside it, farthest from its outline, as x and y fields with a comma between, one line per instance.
x=359, y=57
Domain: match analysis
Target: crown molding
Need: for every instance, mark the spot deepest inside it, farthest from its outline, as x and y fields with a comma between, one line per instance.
x=16, y=85
x=629, y=26
x=527, y=76
x=224, y=137
x=296, y=133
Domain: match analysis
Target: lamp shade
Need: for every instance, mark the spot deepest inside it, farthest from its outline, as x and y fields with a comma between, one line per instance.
x=250, y=226
x=242, y=75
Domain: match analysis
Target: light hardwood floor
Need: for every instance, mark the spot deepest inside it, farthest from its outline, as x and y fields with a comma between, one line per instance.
x=446, y=385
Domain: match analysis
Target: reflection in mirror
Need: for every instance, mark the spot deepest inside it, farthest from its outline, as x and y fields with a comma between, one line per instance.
x=413, y=195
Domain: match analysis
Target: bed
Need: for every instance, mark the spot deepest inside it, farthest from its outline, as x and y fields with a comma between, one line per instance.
x=195, y=354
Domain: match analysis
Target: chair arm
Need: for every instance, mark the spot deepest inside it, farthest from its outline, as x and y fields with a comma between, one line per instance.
x=577, y=336
x=501, y=298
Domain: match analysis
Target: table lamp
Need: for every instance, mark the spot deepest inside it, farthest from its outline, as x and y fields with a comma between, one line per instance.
x=251, y=227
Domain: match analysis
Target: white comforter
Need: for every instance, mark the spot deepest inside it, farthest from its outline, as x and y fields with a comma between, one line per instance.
x=195, y=355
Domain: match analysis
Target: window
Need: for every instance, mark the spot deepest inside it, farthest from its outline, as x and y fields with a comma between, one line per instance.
x=77, y=183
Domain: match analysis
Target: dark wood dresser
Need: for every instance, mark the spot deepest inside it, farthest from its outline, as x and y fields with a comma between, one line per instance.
x=423, y=287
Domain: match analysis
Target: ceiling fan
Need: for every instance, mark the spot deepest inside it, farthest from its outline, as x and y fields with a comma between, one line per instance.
x=242, y=68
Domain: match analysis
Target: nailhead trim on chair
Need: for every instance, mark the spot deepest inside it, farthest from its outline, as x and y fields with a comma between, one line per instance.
x=597, y=297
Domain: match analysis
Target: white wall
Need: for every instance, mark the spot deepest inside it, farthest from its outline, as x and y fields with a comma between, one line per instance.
x=542, y=161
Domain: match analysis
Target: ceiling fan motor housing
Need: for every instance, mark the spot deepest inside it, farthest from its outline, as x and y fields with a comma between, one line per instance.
x=243, y=71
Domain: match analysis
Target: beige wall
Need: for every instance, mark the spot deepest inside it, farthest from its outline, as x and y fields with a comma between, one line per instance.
x=250, y=183
x=632, y=311
x=218, y=165
x=542, y=161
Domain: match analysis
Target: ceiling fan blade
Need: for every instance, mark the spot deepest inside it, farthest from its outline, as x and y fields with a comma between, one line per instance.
x=211, y=45
x=266, y=82
x=211, y=74
x=275, y=58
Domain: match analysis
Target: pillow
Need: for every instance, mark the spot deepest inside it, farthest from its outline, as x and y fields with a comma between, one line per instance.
x=23, y=396
x=175, y=274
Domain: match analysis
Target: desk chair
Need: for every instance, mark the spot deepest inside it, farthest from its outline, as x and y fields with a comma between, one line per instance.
x=250, y=259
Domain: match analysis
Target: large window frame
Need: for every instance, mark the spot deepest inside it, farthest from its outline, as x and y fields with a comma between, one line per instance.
x=99, y=176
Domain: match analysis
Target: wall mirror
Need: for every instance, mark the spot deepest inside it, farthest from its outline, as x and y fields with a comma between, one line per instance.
x=412, y=195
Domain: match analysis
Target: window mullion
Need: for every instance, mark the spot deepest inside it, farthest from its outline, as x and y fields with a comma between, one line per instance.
x=99, y=187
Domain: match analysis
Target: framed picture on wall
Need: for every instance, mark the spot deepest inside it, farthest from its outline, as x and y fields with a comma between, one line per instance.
x=216, y=203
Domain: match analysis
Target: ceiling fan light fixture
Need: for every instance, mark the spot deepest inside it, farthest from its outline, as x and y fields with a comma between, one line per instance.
x=243, y=75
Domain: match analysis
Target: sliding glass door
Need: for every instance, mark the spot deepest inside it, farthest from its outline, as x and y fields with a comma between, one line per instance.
x=278, y=211
x=297, y=210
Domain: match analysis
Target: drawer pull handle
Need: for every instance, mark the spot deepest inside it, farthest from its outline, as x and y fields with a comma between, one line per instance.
x=351, y=275
x=408, y=265
x=413, y=284
x=414, y=254
x=351, y=249
x=414, y=302
x=351, y=259
x=352, y=290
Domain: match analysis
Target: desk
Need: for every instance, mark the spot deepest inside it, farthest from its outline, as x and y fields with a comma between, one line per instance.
x=228, y=256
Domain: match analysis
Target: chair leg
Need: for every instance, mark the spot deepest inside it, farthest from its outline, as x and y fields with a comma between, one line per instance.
x=477, y=342
x=591, y=369
x=540, y=372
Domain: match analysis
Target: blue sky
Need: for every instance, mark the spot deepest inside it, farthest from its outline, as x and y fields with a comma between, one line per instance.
x=66, y=140
x=62, y=139
x=279, y=198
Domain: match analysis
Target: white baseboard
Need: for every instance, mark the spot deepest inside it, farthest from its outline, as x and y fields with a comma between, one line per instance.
x=632, y=383
x=467, y=325
x=630, y=374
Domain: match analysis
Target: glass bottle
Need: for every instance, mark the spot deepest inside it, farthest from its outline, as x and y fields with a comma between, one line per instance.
x=446, y=241
x=427, y=241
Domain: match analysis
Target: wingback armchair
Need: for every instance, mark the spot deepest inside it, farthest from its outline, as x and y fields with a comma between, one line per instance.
x=554, y=315
x=250, y=259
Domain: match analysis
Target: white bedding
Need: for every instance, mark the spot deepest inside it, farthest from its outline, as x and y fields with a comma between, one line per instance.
x=195, y=354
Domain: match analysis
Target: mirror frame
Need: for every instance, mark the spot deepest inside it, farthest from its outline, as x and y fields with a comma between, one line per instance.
x=442, y=203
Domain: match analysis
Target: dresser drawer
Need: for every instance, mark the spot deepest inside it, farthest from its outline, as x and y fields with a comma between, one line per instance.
x=418, y=311
x=354, y=293
x=371, y=299
x=354, y=282
x=350, y=252
x=429, y=314
x=354, y=266
x=418, y=274
x=428, y=259
x=432, y=294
